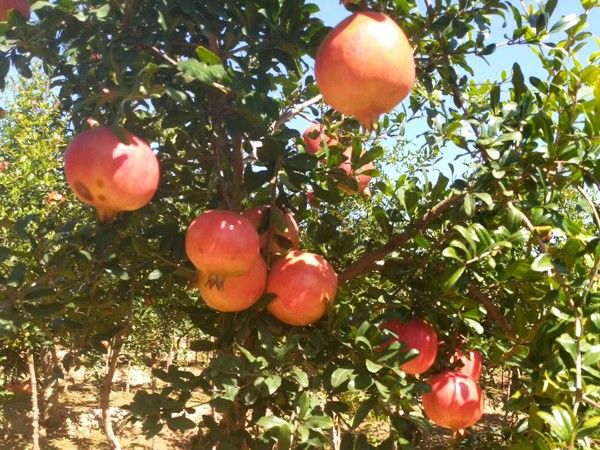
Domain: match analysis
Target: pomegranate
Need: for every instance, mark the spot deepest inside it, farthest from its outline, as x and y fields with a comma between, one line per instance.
x=314, y=135
x=312, y=199
x=361, y=178
x=455, y=401
x=416, y=334
x=304, y=283
x=365, y=66
x=220, y=243
x=19, y=387
x=468, y=364
x=110, y=175
x=21, y=6
x=236, y=292
x=258, y=216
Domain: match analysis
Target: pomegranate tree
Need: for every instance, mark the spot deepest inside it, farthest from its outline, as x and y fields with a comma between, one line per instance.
x=304, y=283
x=21, y=6
x=287, y=230
x=456, y=401
x=109, y=174
x=365, y=66
x=468, y=363
x=361, y=178
x=235, y=292
x=314, y=135
x=220, y=243
x=419, y=335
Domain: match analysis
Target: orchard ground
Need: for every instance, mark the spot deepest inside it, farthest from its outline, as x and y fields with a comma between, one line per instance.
x=81, y=426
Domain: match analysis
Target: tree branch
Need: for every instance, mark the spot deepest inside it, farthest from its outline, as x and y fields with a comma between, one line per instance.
x=366, y=262
x=491, y=309
x=294, y=110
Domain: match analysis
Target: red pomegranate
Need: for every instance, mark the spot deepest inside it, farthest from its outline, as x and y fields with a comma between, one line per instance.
x=314, y=135
x=221, y=243
x=304, y=283
x=455, y=401
x=22, y=6
x=361, y=178
x=416, y=334
x=468, y=364
x=236, y=292
x=111, y=175
x=365, y=66
x=257, y=216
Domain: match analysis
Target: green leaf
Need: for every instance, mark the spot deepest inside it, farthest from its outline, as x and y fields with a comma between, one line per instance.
x=569, y=344
x=180, y=423
x=273, y=382
x=208, y=57
x=485, y=198
x=340, y=376
x=469, y=205
x=155, y=274
x=451, y=281
x=518, y=81
x=542, y=263
x=196, y=70
x=591, y=356
x=372, y=366
x=450, y=252
x=270, y=421
x=301, y=377
x=318, y=423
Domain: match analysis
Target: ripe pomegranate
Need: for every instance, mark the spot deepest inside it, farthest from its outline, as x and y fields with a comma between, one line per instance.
x=304, y=283
x=258, y=217
x=110, y=175
x=22, y=6
x=4, y=165
x=362, y=179
x=236, y=292
x=455, y=401
x=468, y=364
x=314, y=135
x=365, y=66
x=416, y=334
x=221, y=243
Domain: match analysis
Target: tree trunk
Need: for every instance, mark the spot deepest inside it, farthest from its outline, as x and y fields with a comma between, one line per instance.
x=172, y=351
x=51, y=368
x=113, y=356
x=35, y=410
x=128, y=376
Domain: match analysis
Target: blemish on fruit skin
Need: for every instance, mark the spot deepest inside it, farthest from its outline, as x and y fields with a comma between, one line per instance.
x=102, y=198
x=99, y=183
x=83, y=191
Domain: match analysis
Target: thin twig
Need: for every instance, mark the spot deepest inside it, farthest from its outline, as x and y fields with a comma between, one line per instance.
x=294, y=110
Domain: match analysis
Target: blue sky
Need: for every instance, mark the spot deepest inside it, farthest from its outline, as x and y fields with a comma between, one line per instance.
x=503, y=59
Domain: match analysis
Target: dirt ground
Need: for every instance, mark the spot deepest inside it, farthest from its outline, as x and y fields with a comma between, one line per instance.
x=81, y=429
